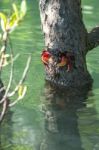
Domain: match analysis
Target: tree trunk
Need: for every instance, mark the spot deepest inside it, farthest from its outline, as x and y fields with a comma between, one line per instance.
x=65, y=34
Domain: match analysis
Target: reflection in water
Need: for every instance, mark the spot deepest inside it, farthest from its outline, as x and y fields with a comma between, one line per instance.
x=6, y=132
x=21, y=129
x=61, y=120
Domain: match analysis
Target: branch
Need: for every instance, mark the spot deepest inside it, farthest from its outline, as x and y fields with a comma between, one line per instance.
x=93, y=38
x=10, y=81
x=20, y=82
x=16, y=101
x=3, y=110
x=23, y=77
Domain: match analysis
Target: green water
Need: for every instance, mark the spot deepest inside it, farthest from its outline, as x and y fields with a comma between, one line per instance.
x=24, y=127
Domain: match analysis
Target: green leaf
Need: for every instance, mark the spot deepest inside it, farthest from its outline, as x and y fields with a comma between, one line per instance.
x=23, y=9
x=13, y=22
x=13, y=19
x=3, y=21
x=15, y=10
x=21, y=91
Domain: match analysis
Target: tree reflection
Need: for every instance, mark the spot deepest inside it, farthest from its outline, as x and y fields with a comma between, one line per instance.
x=60, y=108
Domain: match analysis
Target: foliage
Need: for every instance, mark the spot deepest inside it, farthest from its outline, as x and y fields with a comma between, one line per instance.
x=9, y=24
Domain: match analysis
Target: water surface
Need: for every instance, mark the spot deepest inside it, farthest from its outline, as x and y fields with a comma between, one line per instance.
x=61, y=124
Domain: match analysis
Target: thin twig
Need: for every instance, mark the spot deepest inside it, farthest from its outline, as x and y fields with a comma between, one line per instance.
x=2, y=89
x=2, y=60
x=11, y=72
x=3, y=49
x=3, y=110
x=15, y=58
x=10, y=82
x=10, y=79
x=16, y=101
x=22, y=79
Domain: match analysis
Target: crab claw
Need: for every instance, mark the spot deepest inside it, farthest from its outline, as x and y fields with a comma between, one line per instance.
x=45, y=56
x=63, y=62
x=69, y=67
x=69, y=64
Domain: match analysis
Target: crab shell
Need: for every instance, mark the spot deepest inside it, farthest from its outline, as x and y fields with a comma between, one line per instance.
x=64, y=61
x=45, y=56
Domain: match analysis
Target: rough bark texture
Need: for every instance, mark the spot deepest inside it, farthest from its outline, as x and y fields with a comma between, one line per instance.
x=93, y=39
x=64, y=31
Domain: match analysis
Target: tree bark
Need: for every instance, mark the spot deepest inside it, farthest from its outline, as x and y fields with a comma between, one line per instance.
x=65, y=33
x=93, y=38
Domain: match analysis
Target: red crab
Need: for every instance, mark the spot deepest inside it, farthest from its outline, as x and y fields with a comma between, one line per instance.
x=45, y=56
x=65, y=60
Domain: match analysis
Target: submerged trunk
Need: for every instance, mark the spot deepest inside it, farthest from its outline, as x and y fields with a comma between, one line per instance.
x=60, y=108
x=66, y=39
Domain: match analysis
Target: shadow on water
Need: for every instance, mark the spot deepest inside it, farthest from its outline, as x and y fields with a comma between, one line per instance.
x=56, y=129
x=6, y=132
x=21, y=129
x=60, y=108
